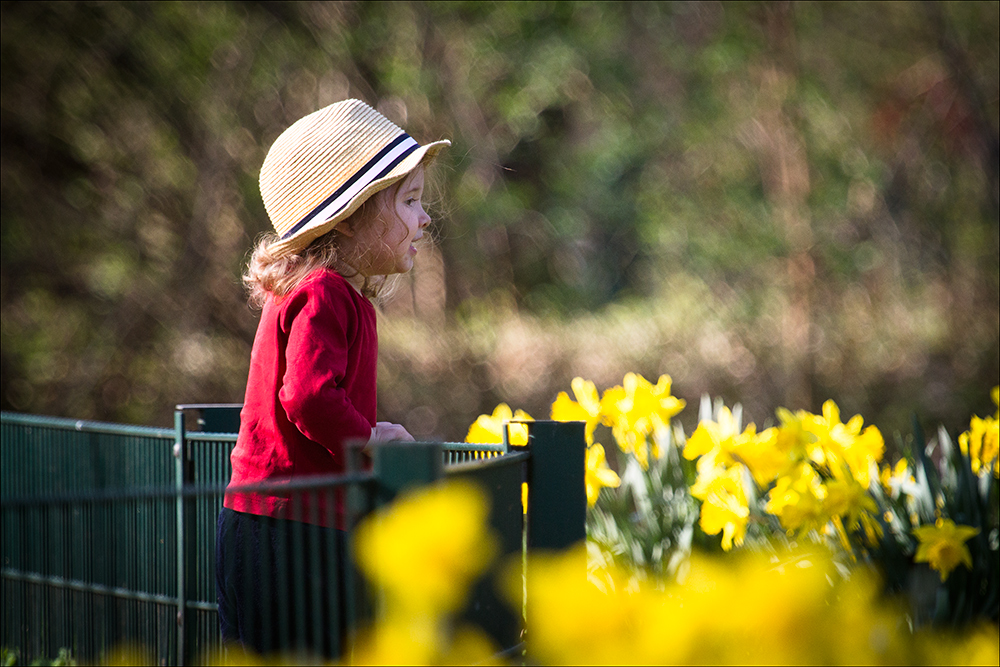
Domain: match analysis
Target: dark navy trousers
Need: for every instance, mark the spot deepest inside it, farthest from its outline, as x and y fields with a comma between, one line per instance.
x=280, y=584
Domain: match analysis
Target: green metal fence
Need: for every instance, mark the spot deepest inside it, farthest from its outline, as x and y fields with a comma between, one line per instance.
x=108, y=530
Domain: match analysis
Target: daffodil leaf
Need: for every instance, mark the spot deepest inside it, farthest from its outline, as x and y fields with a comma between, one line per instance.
x=931, y=477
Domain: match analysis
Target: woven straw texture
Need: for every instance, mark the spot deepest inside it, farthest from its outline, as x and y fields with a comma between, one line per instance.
x=328, y=163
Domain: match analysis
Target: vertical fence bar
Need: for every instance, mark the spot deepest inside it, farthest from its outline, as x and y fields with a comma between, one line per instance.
x=500, y=479
x=397, y=467
x=557, y=495
x=360, y=501
x=180, y=453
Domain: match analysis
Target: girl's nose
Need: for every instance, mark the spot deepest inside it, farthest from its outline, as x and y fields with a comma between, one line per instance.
x=424, y=218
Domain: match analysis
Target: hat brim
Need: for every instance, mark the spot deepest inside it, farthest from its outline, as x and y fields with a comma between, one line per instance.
x=303, y=237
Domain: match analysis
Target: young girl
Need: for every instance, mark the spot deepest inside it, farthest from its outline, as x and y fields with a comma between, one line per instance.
x=342, y=187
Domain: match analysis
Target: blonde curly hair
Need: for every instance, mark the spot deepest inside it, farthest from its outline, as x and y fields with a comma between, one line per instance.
x=275, y=273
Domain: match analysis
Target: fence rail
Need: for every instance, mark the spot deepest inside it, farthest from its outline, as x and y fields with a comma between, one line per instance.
x=109, y=530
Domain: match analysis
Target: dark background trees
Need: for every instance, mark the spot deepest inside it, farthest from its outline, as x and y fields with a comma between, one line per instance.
x=776, y=203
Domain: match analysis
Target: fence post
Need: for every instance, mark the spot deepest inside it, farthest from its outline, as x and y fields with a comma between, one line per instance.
x=557, y=495
x=186, y=542
x=397, y=467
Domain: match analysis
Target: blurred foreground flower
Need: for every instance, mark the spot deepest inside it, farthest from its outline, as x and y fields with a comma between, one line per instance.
x=128, y=653
x=427, y=547
x=791, y=608
x=409, y=640
x=423, y=553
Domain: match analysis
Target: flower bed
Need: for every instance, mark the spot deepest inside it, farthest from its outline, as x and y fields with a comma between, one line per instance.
x=777, y=544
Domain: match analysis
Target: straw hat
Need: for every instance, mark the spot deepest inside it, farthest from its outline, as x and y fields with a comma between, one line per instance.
x=323, y=167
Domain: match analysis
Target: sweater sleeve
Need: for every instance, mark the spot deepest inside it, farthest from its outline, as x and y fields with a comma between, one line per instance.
x=320, y=324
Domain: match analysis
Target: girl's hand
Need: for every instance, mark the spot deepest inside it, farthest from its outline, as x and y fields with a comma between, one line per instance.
x=388, y=432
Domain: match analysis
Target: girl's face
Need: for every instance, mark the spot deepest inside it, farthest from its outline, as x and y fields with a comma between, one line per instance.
x=385, y=245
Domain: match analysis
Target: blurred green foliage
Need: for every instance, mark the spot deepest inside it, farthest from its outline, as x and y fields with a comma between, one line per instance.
x=775, y=203
x=12, y=657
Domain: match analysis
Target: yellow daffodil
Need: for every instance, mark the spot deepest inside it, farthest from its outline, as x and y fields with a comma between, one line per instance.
x=712, y=436
x=631, y=441
x=636, y=409
x=943, y=547
x=488, y=429
x=665, y=405
x=598, y=474
x=848, y=500
x=724, y=506
x=839, y=442
x=864, y=450
x=796, y=435
x=722, y=444
x=981, y=443
x=645, y=404
x=797, y=499
x=708, y=471
x=586, y=407
x=764, y=454
x=846, y=497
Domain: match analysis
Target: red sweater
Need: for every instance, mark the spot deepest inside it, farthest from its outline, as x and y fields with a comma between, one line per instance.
x=311, y=388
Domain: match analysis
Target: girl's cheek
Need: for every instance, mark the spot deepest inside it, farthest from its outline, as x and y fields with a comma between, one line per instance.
x=400, y=233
